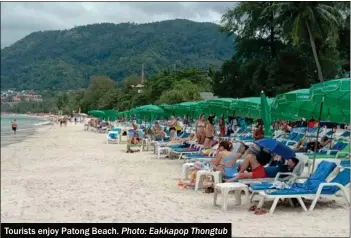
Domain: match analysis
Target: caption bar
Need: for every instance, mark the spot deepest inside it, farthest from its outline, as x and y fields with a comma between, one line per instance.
x=116, y=229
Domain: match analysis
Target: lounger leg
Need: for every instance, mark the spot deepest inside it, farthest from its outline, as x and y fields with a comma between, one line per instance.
x=302, y=203
x=261, y=202
x=252, y=196
x=198, y=181
x=158, y=153
x=291, y=202
x=314, y=203
x=274, y=205
x=180, y=156
x=247, y=201
x=345, y=195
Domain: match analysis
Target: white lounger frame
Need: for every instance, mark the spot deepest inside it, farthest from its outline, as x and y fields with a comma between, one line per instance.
x=264, y=196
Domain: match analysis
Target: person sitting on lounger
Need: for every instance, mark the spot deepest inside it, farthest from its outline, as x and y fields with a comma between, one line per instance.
x=223, y=151
x=157, y=131
x=325, y=140
x=255, y=159
x=236, y=156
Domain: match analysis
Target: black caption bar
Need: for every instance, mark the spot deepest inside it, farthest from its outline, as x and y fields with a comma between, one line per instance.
x=116, y=229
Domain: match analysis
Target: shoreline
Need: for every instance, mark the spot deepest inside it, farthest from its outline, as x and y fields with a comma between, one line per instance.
x=24, y=133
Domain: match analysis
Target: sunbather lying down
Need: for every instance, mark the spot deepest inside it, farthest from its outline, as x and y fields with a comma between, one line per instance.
x=257, y=159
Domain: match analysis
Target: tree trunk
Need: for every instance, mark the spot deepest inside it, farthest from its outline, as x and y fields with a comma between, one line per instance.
x=315, y=56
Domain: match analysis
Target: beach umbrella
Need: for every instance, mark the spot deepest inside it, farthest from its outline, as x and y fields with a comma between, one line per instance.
x=169, y=109
x=149, y=112
x=266, y=115
x=287, y=105
x=220, y=105
x=186, y=108
x=110, y=115
x=97, y=113
x=249, y=107
x=335, y=95
x=276, y=147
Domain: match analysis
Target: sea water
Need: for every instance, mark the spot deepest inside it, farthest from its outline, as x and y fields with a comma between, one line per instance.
x=26, y=125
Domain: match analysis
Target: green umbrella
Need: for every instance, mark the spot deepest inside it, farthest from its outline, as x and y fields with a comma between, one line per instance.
x=266, y=115
x=249, y=107
x=287, y=105
x=186, y=108
x=110, y=115
x=97, y=113
x=336, y=96
x=149, y=112
x=220, y=105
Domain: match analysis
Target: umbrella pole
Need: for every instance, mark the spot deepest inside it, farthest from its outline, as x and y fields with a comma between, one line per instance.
x=317, y=136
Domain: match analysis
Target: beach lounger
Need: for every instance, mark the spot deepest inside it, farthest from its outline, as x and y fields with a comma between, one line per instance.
x=339, y=151
x=310, y=191
x=323, y=171
x=113, y=137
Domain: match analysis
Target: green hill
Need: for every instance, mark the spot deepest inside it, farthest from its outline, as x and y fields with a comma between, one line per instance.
x=67, y=59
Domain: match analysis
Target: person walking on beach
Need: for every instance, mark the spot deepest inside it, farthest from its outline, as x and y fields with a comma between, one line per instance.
x=14, y=126
x=75, y=120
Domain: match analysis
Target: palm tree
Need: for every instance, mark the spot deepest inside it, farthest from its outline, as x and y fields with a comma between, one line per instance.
x=309, y=19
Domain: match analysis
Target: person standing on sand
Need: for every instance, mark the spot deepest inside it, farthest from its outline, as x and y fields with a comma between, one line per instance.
x=75, y=120
x=14, y=126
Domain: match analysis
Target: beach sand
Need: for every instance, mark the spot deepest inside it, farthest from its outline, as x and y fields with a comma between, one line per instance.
x=71, y=175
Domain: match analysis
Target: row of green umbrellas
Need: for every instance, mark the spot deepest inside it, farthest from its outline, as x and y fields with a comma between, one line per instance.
x=294, y=105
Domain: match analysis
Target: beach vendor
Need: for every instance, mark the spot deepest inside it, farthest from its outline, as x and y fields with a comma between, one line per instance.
x=14, y=126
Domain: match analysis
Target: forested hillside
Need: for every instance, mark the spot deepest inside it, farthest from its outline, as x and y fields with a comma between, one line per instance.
x=67, y=59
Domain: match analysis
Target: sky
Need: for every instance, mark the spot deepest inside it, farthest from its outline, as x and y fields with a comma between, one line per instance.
x=19, y=19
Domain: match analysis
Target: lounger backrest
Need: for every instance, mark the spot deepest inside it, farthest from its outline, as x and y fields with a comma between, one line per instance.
x=319, y=176
x=345, y=134
x=292, y=136
x=342, y=178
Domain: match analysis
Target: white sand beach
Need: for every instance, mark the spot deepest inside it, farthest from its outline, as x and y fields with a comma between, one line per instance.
x=71, y=175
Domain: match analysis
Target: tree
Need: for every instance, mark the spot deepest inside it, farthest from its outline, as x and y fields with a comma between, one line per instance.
x=312, y=20
x=182, y=91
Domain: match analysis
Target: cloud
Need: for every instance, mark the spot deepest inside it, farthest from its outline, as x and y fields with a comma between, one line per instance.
x=19, y=19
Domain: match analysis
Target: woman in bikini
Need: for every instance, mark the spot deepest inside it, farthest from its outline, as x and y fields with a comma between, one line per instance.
x=223, y=151
x=209, y=132
x=200, y=129
x=172, y=128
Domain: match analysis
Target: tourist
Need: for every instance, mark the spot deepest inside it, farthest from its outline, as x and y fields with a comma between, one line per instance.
x=172, y=128
x=223, y=151
x=258, y=132
x=209, y=132
x=200, y=129
x=222, y=126
x=14, y=126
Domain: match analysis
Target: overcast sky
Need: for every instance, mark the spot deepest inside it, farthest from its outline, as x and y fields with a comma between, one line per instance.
x=18, y=19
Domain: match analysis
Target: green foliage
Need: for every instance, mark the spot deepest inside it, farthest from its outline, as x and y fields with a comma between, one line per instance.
x=67, y=59
x=266, y=56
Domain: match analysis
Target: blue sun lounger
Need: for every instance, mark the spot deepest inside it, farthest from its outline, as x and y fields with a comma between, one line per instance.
x=322, y=172
x=313, y=191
